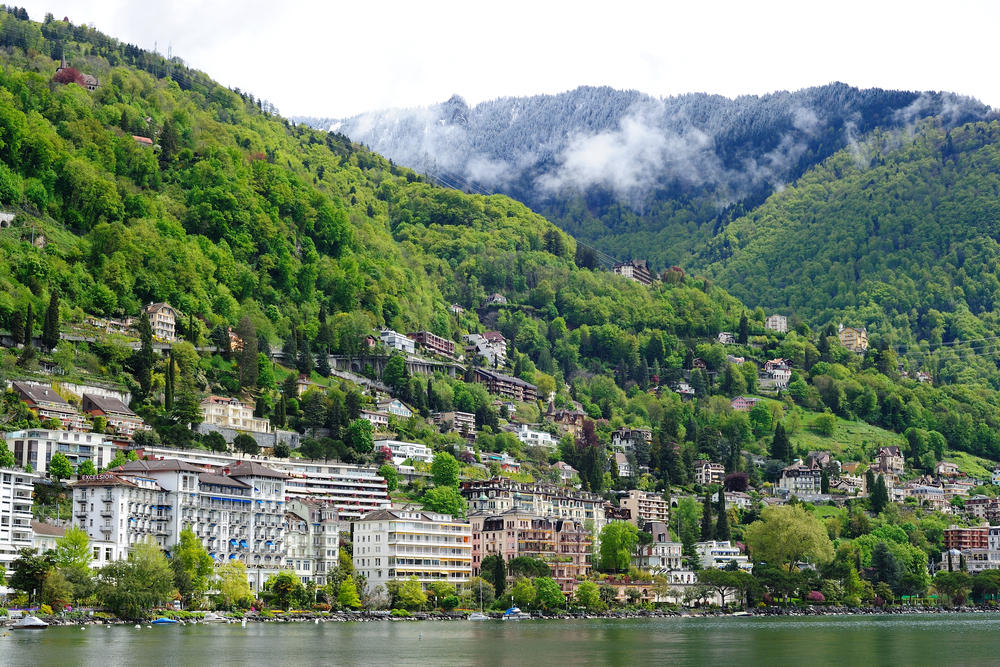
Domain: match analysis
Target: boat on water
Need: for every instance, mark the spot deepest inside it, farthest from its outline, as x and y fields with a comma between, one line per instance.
x=478, y=616
x=163, y=620
x=212, y=617
x=30, y=623
x=515, y=614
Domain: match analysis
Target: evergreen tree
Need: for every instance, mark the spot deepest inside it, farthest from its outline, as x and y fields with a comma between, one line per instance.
x=304, y=362
x=50, y=327
x=781, y=448
x=707, y=529
x=722, y=523
x=879, y=498
x=323, y=363
x=744, y=332
x=247, y=359
x=168, y=394
x=29, y=326
x=17, y=328
x=824, y=482
x=143, y=358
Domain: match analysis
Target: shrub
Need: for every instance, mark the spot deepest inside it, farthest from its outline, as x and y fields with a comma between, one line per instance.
x=400, y=613
x=45, y=609
x=816, y=597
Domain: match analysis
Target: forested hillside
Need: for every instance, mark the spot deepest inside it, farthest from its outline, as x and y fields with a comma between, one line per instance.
x=899, y=234
x=637, y=176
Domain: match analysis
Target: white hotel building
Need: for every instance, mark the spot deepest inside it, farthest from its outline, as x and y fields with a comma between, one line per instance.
x=406, y=450
x=397, y=544
x=16, y=489
x=36, y=446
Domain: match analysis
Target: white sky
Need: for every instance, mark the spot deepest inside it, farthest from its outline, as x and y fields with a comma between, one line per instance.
x=340, y=58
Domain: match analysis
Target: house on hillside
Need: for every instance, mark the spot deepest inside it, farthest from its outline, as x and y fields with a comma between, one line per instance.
x=853, y=339
x=635, y=269
x=744, y=403
x=496, y=299
x=162, y=320
x=777, y=323
x=888, y=460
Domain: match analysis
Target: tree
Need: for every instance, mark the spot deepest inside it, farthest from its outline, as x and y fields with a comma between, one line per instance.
x=285, y=588
x=7, y=459
x=215, y=442
x=395, y=374
x=825, y=424
x=688, y=514
x=824, y=481
x=707, y=529
x=885, y=567
x=588, y=595
x=720, y=581
x=445, y=469
x=722, y=523
x=347, y=596
x=28, y=572
x=59, y=467
x=388, y=472
x=72, y=549
x=744, y=331
x=879, y=496
x=29, y=326
x=446, y=500
x=781, y=448
x=57, y=591
x=50, y=326
x=494, y=570
x=618, y=542
x=192, y=566
x=131, y=588
x=359, y=436
x=523, y=592
x=244, y=442
x=478, y=592
x=281, y=450
x=17, y=328
x=234, y=589
x=954, y=586
x=411, y=594
x=86, y=468
x=526, y=566
x=548, y=595
x=247, y=359
x=787, y=535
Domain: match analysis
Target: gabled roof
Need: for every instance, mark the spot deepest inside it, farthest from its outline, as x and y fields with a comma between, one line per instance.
x=156, y=307
x=38, y=393
x=253, y=469
x=157, y=465
x=106, y=404
x=42, y=528
x=221, y=480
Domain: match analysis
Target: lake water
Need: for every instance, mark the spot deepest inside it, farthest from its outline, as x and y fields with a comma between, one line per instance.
x=968, y=639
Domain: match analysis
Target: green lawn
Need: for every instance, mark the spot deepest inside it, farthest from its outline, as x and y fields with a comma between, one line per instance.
x=850, y=440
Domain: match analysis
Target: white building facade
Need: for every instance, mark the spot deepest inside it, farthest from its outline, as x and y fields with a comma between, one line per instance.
x=36, y=446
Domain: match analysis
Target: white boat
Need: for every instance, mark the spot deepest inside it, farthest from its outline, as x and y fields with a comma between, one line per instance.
x=30, y=623
x=212, y=617
x=478, y=616
x=515, y=614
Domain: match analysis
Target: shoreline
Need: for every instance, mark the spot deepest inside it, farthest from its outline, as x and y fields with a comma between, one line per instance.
x=365, y=617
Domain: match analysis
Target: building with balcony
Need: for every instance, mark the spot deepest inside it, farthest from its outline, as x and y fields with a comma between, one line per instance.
x=396, y=544
x=500, y=494
x=777, y=323
x=120, y=418
x=801, y=478
x=312, y=540
x=635, y=269
x=646, y=507
x=16, y=493
x=378, y=420
x=491, y=346
x=663, y=554
x=463, y=422
x=956, y=537
x=162, y=320
x=394, y=406
x=47, y=404
x=397, y=341
x=854, y=339
x=232, y=413
x=721, y=554
x=36, y=446
x=564, y=544
x=626, y=439
x=506, y=386
x=708, y=472
x=532, y=437
x=401, y=451
x=434, y=343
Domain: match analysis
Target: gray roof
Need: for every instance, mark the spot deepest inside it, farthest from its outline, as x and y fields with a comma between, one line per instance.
x=221, y=480
x=164, y=465
x=38, y=393
x=252, y=469
x=106, y=404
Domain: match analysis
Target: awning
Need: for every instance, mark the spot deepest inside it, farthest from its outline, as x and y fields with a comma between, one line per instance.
x=243, y=543
x=233, y=542
x=232, y=556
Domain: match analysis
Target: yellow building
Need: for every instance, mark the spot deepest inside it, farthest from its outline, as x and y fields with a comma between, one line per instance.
x=853, y=339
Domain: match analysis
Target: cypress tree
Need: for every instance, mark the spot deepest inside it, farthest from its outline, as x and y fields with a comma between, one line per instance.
x=707, y=529
x=744, y=332
x=50, y=327
x=168, y=394
x=824, y=482
x=722, y=523
x=142, y=363
x=17, y=328
x=781, y=448
x=29, y=326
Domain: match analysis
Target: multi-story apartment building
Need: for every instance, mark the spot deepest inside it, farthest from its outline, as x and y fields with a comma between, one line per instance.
x=889, y=460
x=463, y=422
x=406, y=450
x=491, y=346
x=162, y=320
x=121, y=420
x=852, y=338
x=777, y=323
x=397, y=341
x=237, y=511
x=956, y=537
x=708, y=472
x=721, y=554
x=565, y=544
x=801, y=478
x=646, y=506
x=232, y=413
x=663, y=554
x=398, y=544
x=378, y=420
x=504, y=385
x=434, y=343
x=312, y=540
x=352, y=490
x=36, y=446
x=568, y=421
x=533, y=437
x=627, y=439
x=635, y=269
x=47, y=404
x=16, y=492
x=394, y=406
x=498, y=495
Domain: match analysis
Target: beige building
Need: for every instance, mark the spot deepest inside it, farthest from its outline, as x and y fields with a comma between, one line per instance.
x=396, y=544
x=853, y=339
x=777, y=323
x=497, y=495
x=162, y=320
x=707, y=472
x=231, y=413
x=645, y=507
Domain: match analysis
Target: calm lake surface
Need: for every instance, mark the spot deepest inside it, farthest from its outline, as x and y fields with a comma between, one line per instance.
x=968, y=639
